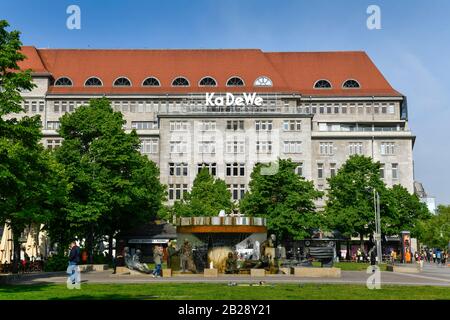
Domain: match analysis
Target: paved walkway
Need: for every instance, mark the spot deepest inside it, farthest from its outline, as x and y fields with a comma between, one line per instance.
x=431, y=275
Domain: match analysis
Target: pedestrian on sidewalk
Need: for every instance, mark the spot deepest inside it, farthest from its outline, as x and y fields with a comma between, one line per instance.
x=157, y=259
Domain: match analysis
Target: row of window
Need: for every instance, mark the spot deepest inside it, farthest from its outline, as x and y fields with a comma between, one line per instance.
x=328, y=148
x=333, y=170
x=368, y=109
x=234, y=81
x=325, y=84
x=178, y=191
x=138, y=125
x=236, y=125
x=180, y=169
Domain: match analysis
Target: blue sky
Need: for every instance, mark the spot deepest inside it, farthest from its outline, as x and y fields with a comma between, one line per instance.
x=412, y=49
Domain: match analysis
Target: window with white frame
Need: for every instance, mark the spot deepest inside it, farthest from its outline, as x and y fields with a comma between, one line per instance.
x=387, y=148
x=235, y=146
x=207, y=125
x=235, y=169
x=326, y=148
x=292, y=146
x=178, y=147
x=320, y=170
x=177, y=191
x=212, y=167
x=355, y=148
x=332, y=169
x=263, y=125
x=144, y=125
x=299, y=169
x=382, y=171
x=292, y=125
x=263, y=146
x=53, y=125
x=178, y=169
x=149, y=145
x=178, y=125
x=206, y=147
x=53, y=143
x=237, y=191
x=395, y=171
x=235, y=125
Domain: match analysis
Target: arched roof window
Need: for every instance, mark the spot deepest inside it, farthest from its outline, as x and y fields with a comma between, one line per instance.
x=63, y=82
x=322, y=84
x=235, y=82
x=351, y=84
x=151, y=82
x=122, y=82
x=93, y=82
x=180, y=82
x=207, y=82
x=263, y=81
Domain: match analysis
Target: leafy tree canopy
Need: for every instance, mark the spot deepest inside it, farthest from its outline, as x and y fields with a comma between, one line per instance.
x=285, y=199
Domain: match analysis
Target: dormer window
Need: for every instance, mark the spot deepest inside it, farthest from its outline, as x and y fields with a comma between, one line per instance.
x=63, y=82
x=322, y=84
x=180, y=82
x=351, y=84
x=151, y=82
x=207, y=82
x=235, y=82
x=122, y=82
x=93, y=82
x=263, y=82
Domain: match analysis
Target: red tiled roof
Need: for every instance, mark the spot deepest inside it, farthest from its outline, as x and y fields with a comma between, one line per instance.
x=291, y=72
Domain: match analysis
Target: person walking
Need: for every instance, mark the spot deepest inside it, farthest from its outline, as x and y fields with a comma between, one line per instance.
x=74, y=260
x=434, y=256
x=157, y=259
x=438, y=256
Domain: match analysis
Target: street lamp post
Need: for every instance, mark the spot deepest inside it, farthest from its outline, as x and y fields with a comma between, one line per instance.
x=377, y=236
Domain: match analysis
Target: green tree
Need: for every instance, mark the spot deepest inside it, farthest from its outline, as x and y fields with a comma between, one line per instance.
x=114, y=186
x=285, y=199
x=32, y=184
x=404, y=211
x=207, y=197
x=435, y=232
x=350, y=200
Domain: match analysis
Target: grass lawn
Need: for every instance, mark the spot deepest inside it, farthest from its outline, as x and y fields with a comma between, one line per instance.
x=209, y=291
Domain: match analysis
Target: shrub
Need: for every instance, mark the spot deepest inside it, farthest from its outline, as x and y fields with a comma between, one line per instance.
x=58, y=262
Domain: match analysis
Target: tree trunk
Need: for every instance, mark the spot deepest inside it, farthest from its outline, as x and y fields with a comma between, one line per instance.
x=16, y=250
x=348, y=256
x=361, y=237
x=110, y=244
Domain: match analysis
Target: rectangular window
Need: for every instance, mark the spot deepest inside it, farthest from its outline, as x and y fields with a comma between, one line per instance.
x=178, y=147
x=206, y=147
x=263, y=146
x=320, y=170
x=382, y=171
x=332, y=169
x=235, y=169
x=355, y=148
x=53, y=143
x=326, y=148
x=53, y=125
x=177, y=191
x=212, y=168
x=235, y=125
x=292, y=125
x=178, y=169
x=292, y=146
x=149, y=145
x=235, y=147
x=299, y=169
x=178, y=125
x=263, y=125
x=144, y=125
x=207, y=125
x=237, y=191
x=387, y=148
x=395, y=171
